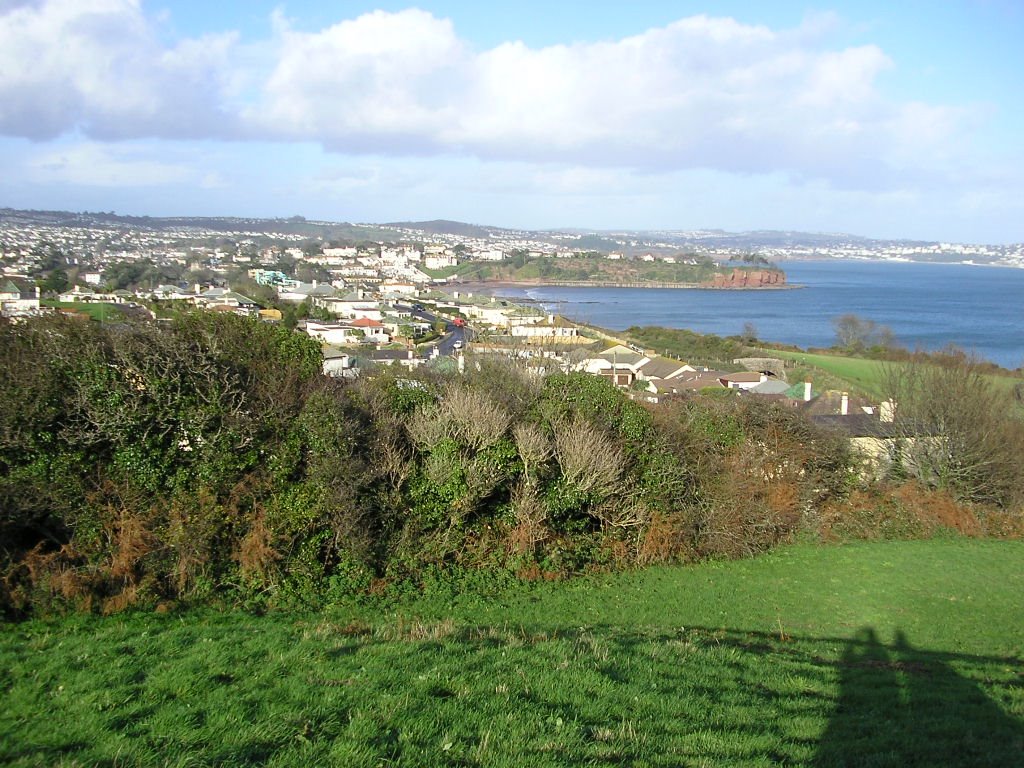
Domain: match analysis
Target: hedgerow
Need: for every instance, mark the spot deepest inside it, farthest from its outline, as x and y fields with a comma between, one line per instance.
x=209, y=462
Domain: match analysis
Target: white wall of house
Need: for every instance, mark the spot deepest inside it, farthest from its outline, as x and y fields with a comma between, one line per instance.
x=332, y=333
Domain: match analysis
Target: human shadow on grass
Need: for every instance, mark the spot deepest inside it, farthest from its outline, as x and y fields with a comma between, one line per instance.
x=899, y=706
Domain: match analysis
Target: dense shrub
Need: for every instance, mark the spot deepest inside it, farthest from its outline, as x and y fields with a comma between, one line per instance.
x=208, y=461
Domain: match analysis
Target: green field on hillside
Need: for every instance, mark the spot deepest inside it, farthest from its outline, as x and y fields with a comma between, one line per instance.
x=865, y=375
x=100, y=311
x=882, y=654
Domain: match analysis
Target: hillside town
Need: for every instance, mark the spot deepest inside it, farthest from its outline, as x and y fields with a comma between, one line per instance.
x=382, y=304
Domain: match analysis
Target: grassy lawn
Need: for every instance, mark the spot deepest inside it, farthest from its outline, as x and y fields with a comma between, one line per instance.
x=883, y=654
x=864, y=375
x=101, y=312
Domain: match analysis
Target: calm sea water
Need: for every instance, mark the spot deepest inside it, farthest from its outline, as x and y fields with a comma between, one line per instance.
x=927, y=306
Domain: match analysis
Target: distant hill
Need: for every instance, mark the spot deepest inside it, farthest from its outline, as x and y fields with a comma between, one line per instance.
x=771, y=244
x=446, y=227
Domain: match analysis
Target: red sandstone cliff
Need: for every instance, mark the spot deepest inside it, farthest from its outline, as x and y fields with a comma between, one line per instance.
x=748, y=278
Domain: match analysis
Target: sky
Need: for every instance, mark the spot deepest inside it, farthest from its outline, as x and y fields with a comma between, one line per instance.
x=881, y=119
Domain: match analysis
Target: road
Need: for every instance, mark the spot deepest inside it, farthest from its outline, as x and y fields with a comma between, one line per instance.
x=452, y=332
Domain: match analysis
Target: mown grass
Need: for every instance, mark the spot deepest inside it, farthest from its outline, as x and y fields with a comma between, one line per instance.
x=872, y=654
x=862, y=374
x=865, y=375
x=99, y=311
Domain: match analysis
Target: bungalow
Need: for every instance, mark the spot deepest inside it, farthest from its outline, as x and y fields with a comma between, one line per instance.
x=337, y=364
x=235, y=302
x=619, y=364
x=353, y=304
x=299, y=292
x=373, y=330
x=406, y=358
x=17, y=300
x=79, y=295
x=696, y=381
x=552, y=330
x=874, y=437
x=333, y=333
x=663, y=368
x=743, y=379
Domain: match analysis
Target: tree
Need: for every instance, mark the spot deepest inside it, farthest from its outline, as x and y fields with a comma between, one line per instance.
x=56, y=281
x=957, y=431
x=749, y=333
x=857, y=334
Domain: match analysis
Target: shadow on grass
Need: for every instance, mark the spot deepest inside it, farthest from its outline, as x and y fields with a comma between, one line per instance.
x=901, y=706
x=896, y=705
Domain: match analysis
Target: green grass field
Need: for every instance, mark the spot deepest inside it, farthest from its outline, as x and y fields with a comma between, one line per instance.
x=863, y=375
x=882, y=654
x=101, y=312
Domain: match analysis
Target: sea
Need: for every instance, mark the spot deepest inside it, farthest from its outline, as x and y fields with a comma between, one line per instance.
x=927, y=306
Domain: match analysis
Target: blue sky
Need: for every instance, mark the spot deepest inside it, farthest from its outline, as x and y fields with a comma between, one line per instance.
x=875, y=118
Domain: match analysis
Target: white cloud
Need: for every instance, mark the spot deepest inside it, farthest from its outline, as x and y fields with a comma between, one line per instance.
x=702, y=92
x=100, y=66
x=699, y=93
x=93, y=164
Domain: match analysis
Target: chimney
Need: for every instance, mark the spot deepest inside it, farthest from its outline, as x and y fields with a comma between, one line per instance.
x=314, y=283
x=844, y=405
x=807, y=391
x=763, y=379
x=887, y=411
x=410, y=354
x=551, y=319
x=359, y=294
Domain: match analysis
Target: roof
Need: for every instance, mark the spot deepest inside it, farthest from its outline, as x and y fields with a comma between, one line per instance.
x=237, y=297
x=830, y=403
x=391, y=354
x=335, y=353
x=743, y=377
x=662, y=368
x=696, y=382
x=622, y=356
x=770, y=387
x=365, y=322
x=857, y=425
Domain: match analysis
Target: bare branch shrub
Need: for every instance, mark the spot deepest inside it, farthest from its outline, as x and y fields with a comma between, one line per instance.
x=429, y=426
x=590, y=460
x=531, y=519
x=956, y=431
x=477, y=420
x=622, y=512
x=534, y=448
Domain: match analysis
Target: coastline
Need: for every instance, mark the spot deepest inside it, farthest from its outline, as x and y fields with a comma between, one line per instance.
x=485, y=285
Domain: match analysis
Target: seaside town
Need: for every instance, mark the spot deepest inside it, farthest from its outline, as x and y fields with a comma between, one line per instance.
x=395, y=303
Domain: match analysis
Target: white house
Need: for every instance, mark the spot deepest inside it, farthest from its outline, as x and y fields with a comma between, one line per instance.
x=17, y=301
x=340, y=334
x=441, y=260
